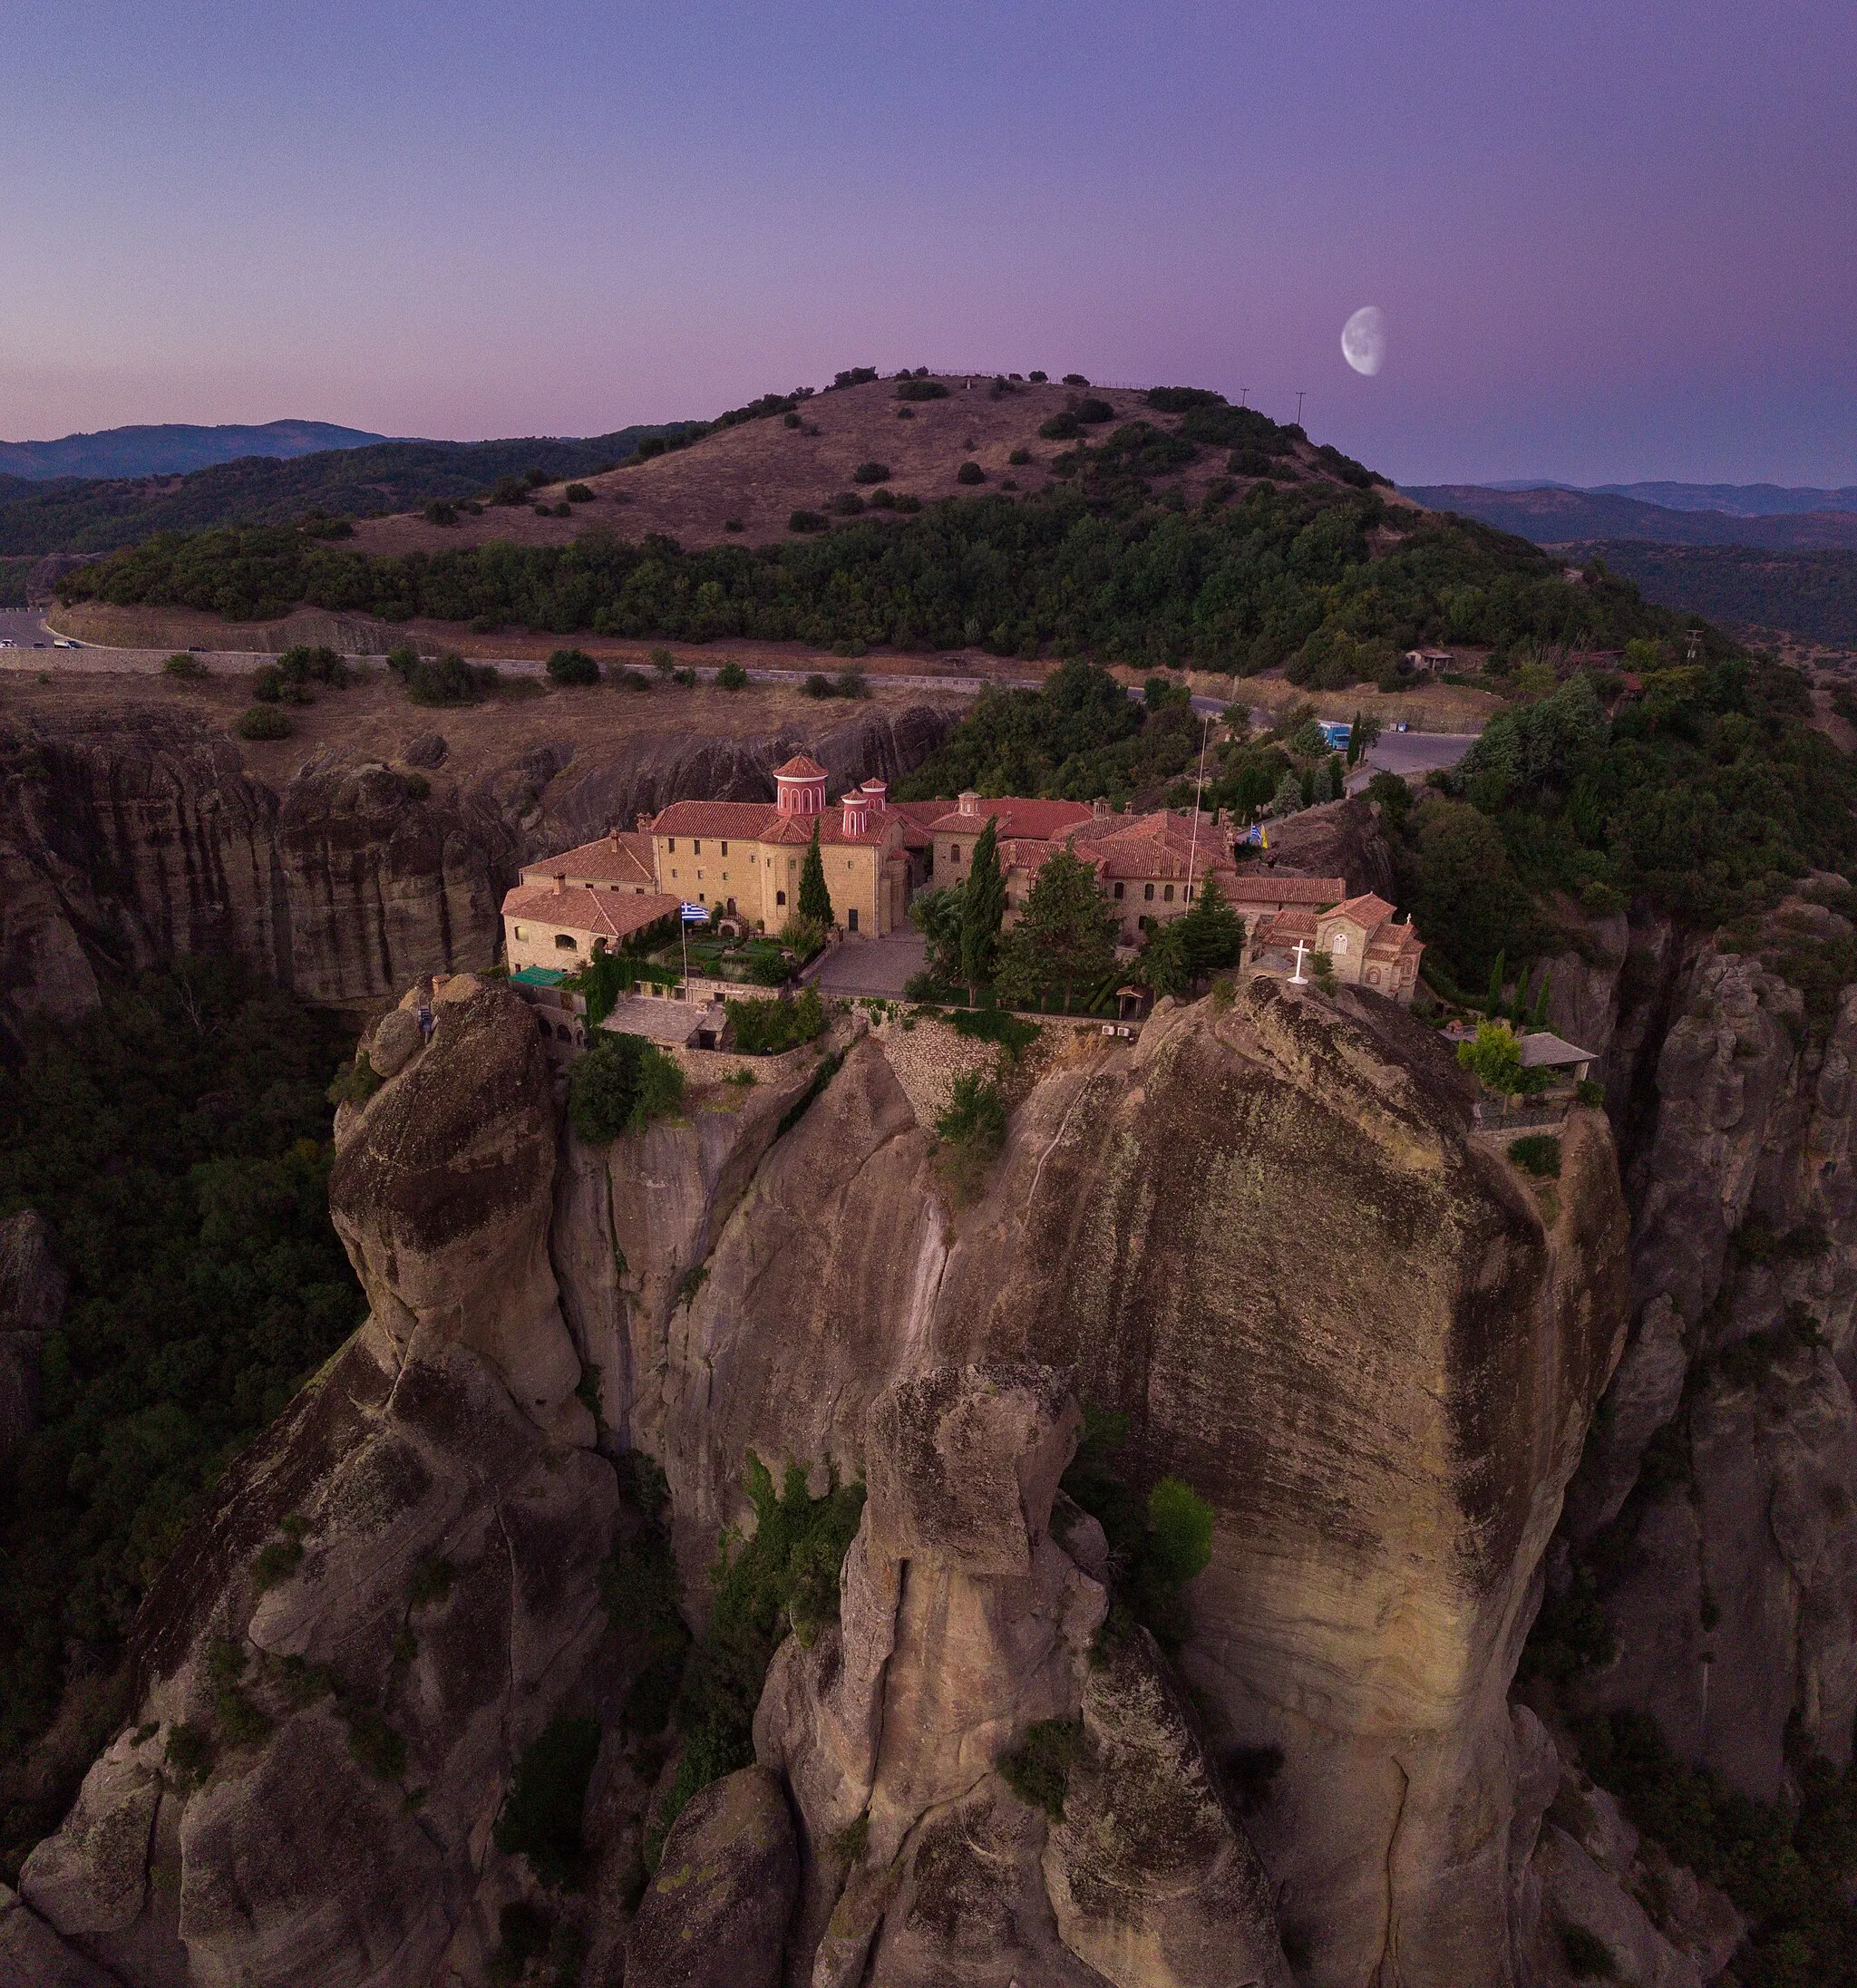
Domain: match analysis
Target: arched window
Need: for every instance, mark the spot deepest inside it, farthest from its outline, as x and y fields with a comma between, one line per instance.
x=1148, y=893
x=780, y=897
x=565, y=942
x=1167, y=895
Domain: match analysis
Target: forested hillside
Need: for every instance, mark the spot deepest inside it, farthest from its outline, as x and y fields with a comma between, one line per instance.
x=96, y=514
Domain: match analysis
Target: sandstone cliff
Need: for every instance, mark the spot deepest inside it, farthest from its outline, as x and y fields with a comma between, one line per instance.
x=132, y=835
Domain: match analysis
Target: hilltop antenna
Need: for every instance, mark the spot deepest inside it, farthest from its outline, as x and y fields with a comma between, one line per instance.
x=1243, y=395
x=1299, y=393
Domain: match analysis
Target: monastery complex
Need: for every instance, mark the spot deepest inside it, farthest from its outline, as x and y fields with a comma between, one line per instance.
x=741, y=861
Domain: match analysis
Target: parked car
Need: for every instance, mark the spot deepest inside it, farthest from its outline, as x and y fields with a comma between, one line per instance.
x=64, y=642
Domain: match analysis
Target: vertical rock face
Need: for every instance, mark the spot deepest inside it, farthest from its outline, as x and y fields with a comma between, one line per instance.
x=1732, y=1582
x=392, y=1592
x=129, y=838
x=31, y=1301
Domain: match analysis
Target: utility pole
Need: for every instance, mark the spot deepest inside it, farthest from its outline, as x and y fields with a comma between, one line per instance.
x=1299, y=393
x=1244, y=394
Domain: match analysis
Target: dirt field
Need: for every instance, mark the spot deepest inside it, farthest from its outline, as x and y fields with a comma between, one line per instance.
x=375, y=720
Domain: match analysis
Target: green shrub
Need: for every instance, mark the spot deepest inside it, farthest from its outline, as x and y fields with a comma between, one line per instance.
x=766, y=1028
x=848, y=504
x=240, y=1721
x=578, y=493
x=851, y=684
x=429, y=1582
x=970, y=473
x=872, y=472
x=540, y=1818
x=1013, y=1032
x=573, y=666
x=189, y=1754
x=819, y=685
x=263, y=722
x=733, y=524
x=1019, y=457
x=684, y=679
x=663, y=662
x=908, y=501
x=1590, y=1094
x=808, y=521
x=732, y=676
x=921, y=390
x=1588, y=1957
x=1038, y=1769
x=1180, y=1532
x=784, y=1577
x=632, y=679
x=1539, y=1154
x=1179, y=399
x=1061, y=427
x=373, y=1743
x=441, y=512
x=357, y=1084
x=274, y=1564
x=976, y=1115
x=190, y=669
x=619, y=1086
x=1093, y=412
x=442, y=680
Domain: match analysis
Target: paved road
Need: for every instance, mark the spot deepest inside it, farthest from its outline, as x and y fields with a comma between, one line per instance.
x=17, y=625
x=1409, y=753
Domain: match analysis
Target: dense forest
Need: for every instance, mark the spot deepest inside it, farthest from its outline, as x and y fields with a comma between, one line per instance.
x=1808, y=593
x=1234, y=586
x=177, y=1141
x=97, y=513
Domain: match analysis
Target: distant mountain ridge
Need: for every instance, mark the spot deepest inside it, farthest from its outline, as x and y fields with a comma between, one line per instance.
x=1555, y=514
x=1737, y=499
x=172, y=449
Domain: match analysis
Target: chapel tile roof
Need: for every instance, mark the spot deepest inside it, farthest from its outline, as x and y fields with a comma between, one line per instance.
x=801, y=768
x=762, y=821
x=1367, y=910
x=579, y=909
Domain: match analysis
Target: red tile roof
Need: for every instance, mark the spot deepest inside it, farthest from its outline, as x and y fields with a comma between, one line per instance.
x=1254, y=889
x=762, y=821
x=801, y=768
x=623, y=856
x=578, y=909
x=1039, y=818
x=1367, y=910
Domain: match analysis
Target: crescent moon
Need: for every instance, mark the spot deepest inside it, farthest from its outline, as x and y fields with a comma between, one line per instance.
x=1364, y=340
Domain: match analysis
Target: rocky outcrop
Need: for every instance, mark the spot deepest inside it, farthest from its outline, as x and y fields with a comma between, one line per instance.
x=131, y=836
x=1268, y=1237
x=716, y=1915
x=392, y=1593
x=1337, y=838
x=31, y=1301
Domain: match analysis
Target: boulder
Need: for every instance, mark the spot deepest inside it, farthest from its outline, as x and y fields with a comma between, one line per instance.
x=715, y=1914
x=91, y=1877
x=425, y=749
x=394, y=1042
x=32, y=1957
x=1153, y=1882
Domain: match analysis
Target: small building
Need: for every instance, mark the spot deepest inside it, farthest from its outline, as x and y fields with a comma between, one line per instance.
x=1543, y=1049
x=1365, y=943
x=561, y=926
x=1428, y=662
x=1153, y=866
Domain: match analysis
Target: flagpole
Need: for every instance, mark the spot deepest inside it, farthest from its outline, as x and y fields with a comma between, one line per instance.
x=1199, y=790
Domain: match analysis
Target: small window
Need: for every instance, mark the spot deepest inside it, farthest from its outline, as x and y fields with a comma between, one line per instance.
x=780, y=897
x=671, y=844
x=1339, y=943
x=1167, y=895
x=1148, y=893
x=725, y=849
x=696, y=847
x=1189, y=893
x=565, y=942
x=522, y=931
x=852, y=919
x=1118, y=892
x=954, y=853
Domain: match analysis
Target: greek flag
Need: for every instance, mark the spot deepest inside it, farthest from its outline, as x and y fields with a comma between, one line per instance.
x=695, y=914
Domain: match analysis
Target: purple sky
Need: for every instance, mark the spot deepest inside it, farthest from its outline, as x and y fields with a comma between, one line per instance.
x=1611, y=241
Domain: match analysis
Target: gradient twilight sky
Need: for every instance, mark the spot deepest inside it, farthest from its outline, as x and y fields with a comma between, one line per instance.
x=1611, y=241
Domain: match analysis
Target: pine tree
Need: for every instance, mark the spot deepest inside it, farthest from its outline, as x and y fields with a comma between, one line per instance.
x=1353, y=741
x=815, y=898
x=1497, y=976
x=1064, y=937
x=1211, y=933
x=1539, y=1019
x=983, y=908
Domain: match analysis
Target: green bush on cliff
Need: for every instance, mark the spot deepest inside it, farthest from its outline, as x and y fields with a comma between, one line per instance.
x=768, y=1027
x=619, y=1086
x=784, y=1576
x=542, y=1814
x=1038, y=1769
x=177, y=1141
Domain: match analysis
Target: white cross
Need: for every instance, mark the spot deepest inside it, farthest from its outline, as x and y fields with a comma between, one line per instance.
x=1296, y=979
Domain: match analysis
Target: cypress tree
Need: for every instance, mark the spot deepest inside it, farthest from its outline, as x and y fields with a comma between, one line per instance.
x=983, y=908
x=1496, y=979
x=815, y=898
